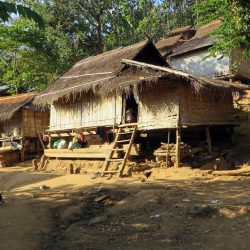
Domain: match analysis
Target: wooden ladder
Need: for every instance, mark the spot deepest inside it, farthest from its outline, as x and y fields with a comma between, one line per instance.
x=125, y=129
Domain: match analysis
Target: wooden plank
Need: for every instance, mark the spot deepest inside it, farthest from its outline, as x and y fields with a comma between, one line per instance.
x=236, y=172
x=93, y=155
x=101, y=198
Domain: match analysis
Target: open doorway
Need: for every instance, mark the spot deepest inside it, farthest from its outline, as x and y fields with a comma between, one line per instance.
x=131, y=109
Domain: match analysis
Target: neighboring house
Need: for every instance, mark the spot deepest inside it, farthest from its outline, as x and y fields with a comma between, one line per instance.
x=4, y=90
x=98, y=91
x=21, y=122
x=174, y=39
x=193, y=57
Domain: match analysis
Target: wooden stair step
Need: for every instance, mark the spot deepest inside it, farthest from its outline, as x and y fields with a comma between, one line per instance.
x=128, y=125
x=110, y=171
x=128, y=140
x=119, y=149
x=126, y=133
x=115, y=160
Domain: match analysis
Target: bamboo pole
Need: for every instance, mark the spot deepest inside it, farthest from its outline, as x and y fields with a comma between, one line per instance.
x=178, y=147
x=167, y=148
x=165, y=69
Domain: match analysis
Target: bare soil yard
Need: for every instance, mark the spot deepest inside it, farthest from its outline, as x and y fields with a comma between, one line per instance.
x=172, y=209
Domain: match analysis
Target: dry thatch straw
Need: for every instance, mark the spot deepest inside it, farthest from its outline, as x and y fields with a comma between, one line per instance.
x=105, y=74
x=94, y=72
x=9, y=105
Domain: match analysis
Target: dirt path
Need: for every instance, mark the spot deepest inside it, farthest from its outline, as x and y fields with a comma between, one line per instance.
x=173, y=209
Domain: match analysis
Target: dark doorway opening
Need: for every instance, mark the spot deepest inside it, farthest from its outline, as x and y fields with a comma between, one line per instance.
x=131, y=109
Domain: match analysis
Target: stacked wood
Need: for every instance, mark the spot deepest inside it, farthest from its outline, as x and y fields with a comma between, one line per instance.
x=170, y=150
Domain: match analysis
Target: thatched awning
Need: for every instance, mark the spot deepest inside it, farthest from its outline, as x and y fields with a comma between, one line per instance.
x=92, y=73
x=9, y=105
x=198, y=82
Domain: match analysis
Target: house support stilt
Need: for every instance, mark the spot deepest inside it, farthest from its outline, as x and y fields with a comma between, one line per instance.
x=178, y=147
x=209, y=144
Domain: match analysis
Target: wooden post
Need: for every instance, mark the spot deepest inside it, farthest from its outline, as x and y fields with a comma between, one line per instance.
x=167, y=148
x=22, y=150
x=50, y=142
x=178, y=147
x=209, y=145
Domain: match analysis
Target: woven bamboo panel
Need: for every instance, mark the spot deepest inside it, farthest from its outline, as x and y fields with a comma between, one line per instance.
x=15, y=122
x=204, y=109
x=33, y=122
x=90, y=111
x=158, y=107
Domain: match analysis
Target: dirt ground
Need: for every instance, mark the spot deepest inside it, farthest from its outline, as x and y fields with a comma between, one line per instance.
x=173, y=209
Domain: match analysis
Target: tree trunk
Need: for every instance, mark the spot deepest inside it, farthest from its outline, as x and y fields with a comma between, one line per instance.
x=99, y=45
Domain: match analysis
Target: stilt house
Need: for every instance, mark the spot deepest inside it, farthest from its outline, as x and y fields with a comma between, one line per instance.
x=97, y=92
x=20, y=125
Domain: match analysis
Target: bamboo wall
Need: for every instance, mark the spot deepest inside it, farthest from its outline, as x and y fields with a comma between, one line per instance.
x=158, y=106
x=15, y=122
x=33, y=122
x=90, y=111
x=28, y=121
x=203, y=109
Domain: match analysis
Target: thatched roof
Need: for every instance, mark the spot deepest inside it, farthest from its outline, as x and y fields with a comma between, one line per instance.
x=165, y=44
x=92, y=73
x=207, y=29
x=9, y=105
x=180, y=30
x=202, y=39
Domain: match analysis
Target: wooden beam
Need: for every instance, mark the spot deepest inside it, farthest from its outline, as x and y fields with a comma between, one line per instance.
x=167, y=148
x=209, y=144
x=147, y=65
x=178, y=147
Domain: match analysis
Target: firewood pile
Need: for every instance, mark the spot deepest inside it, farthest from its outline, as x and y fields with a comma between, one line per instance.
x=170, y=150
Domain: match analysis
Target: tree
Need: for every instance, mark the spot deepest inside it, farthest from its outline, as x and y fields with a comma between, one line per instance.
x=234, y=31
x=25, y=58
x=6, y=9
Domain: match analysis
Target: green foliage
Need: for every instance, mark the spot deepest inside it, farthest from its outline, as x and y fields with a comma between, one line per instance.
x=25, y=59
x=234, y=31
x=76, y=29
x=6, y=9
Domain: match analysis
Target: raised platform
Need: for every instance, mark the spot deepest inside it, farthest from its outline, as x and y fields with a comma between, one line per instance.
x=91, y=152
